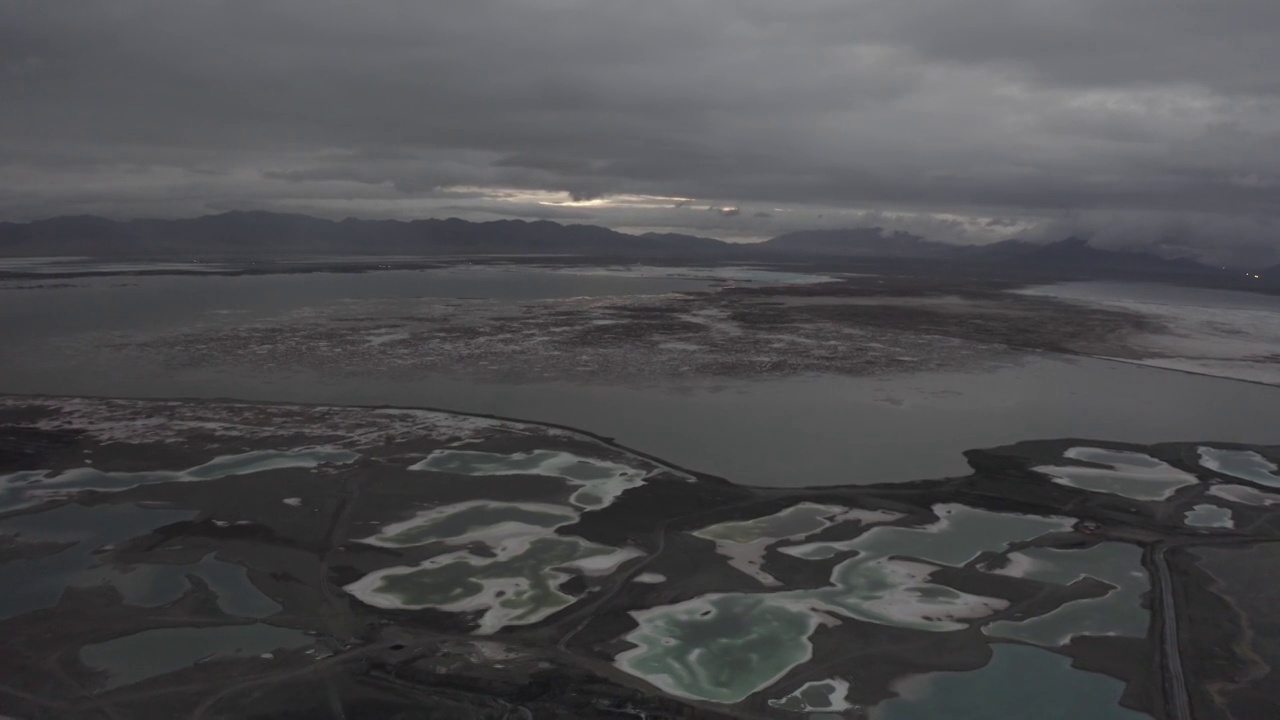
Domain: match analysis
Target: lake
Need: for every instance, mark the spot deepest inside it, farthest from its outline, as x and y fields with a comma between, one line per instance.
x=790, y=432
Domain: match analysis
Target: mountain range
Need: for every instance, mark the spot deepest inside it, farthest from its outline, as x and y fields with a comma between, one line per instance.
x=265, y=234
x=276, y=235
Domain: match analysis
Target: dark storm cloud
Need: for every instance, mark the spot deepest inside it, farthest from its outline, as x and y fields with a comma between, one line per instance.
x=1136, y=122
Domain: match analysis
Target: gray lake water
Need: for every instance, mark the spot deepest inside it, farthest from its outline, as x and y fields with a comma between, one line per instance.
x=127, y=303
x=791, y=432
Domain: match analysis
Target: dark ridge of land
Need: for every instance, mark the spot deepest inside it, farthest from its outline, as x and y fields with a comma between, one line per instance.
x=264, y=242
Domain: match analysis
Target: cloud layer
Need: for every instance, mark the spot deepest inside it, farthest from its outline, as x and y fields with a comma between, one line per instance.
x=1144, y=121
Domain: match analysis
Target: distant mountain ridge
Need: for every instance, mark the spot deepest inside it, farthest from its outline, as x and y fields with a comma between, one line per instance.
x=276, y=235
x=245, y=234
x=1069, y=255
x=864, y=242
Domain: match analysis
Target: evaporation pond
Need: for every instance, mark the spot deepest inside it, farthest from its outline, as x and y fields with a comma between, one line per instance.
x=1119, y=612
x=824, y=695
x=518, y=583
x=744, y=542
x=152, y=585
x=151, y=653
x=600, y=482
x=1244, y=495
x=724, y=647
x=1209, y=516
x=35, y=583
x=1124, y=473
x=29, y=488
x=1020, y=683
x=1244, y=464
x=958, y=536
x=490, y=521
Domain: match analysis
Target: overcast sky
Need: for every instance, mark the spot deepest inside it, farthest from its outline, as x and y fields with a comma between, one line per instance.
x=1133, y=121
